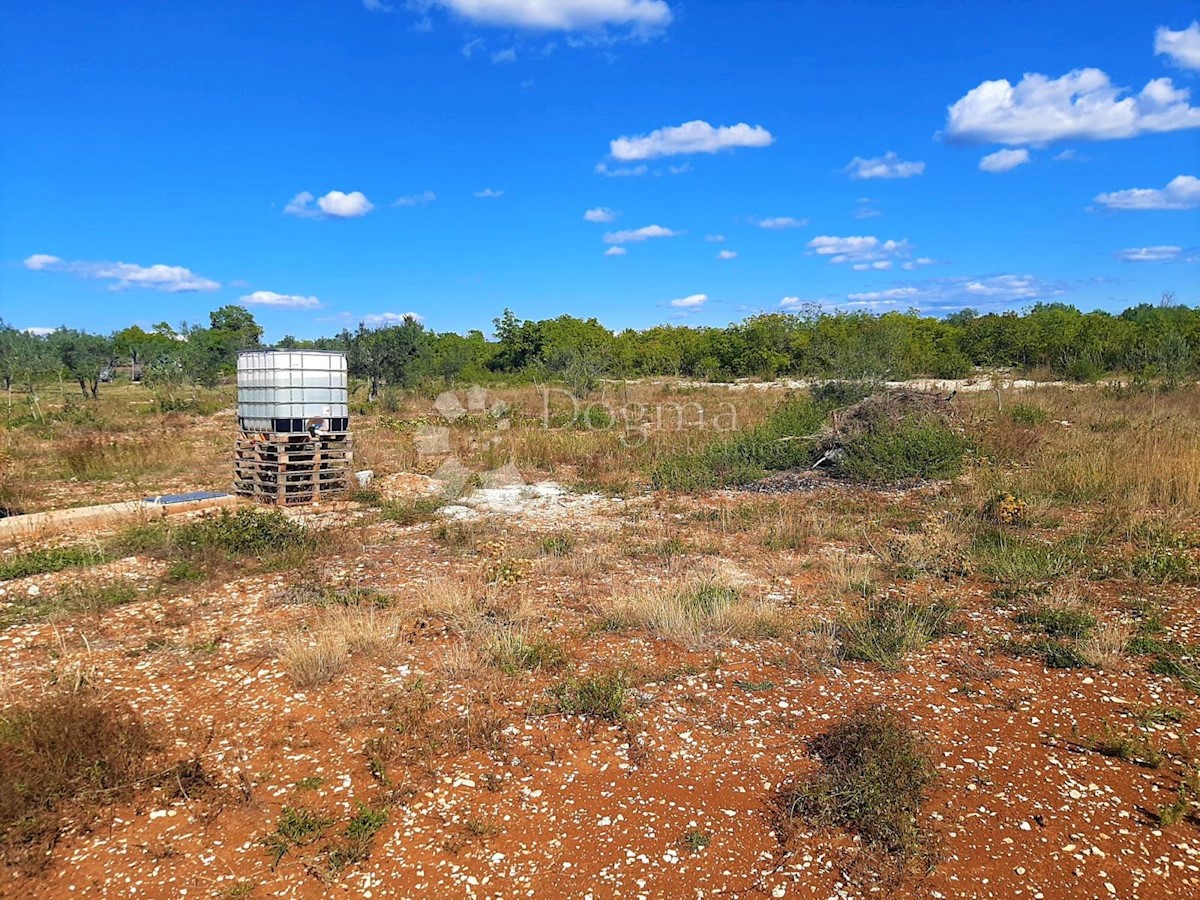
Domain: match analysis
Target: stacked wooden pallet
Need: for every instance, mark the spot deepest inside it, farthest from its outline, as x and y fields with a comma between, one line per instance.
x=288, y=469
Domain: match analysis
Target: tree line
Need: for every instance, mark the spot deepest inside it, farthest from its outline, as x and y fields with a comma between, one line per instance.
x=1148, y=341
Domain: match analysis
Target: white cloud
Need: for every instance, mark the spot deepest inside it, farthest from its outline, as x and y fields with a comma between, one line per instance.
x=421, y=199
x=692, y=301
x=1004, y=160
x=488, y=193
x=619, y=171
x=334, y=205
x=1183, y=47
x=615, y=251
x=281, y=301
x=600, y=214
x=1066, y=156
x=791, y=303
x=690, y=137
x=780, y=222
x=950, y=293
x=39, y=330
x=917, y=263
x=639, y=234
x=169, y=279
x=504, y=56
x=376, y=320
x=727, y=254
x=715, y=238
x=680, y=169
x=866, y=212
x=376, y=6
x=1083, y=104
x=1149, y=254
x=1181, y=192
x=40, y=261
x=645, y=16
x=863, y=252
x=469, y=48
x=890, y=165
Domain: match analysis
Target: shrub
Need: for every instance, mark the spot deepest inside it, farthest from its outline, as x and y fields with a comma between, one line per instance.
x=58, y=754
x=1065, y=620
x=1027, y=414
x=514, y=652
x=910, y=449
x=837, y=394
x=411, y=512
x=874, y=771
x=887, y=630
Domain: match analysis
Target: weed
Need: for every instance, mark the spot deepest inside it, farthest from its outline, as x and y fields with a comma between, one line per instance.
x=1175, y=812
x=1018, y=563
x=599, y=696
x=889, y=629
x=1058, y=621
x=1129, y=746
x=310, y=783
x=355, y=843
x=695, y=840
x=312, y=661
x=1184, y=672
x=296, y=826
x=1163, y=565
x=1027, y=414
x=246, y=532
x=1159, y=714
x=874, y=771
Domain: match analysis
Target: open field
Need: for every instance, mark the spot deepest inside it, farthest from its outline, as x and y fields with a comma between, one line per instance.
x=962, y=662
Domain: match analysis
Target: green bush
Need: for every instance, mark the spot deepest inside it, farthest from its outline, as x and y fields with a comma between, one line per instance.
x=246, y=532
x=1027, y=414
x=888, y=630
x=912, y=448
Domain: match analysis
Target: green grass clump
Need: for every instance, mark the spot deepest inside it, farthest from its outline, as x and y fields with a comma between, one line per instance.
x=296, y=826
x=1058, y=621
x=79, y=597
x=54, y=559
x=1019, y=563
x=888, y=630
x=1053, y=653
x=599, y=696
x=1162, y=565
x=873, y=775
x=912, y=448
x=560, y=544
x=354, y=846
x=1027, y=414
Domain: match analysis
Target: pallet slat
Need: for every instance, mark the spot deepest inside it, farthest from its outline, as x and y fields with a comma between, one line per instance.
x=291, y=469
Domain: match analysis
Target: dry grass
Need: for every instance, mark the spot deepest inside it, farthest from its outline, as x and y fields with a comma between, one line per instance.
x=1105, y=647
x=699, y=612
x=314, y=659
x=847, y=574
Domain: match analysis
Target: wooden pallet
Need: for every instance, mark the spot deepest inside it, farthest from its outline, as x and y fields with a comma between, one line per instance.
x=290, y=469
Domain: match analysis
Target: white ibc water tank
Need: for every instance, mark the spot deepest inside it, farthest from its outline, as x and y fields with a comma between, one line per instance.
x=291, y=391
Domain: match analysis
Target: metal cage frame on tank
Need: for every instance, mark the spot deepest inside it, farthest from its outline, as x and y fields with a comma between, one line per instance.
x=307, y=452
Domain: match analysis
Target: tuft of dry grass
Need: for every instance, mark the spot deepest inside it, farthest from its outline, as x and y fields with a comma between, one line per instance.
x=849, y=574
x=314, y=659
x=700, y=612
x=1105, y=647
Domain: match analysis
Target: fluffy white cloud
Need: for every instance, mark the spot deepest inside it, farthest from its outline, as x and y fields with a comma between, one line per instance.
x=615, y=251
x=778, y=223
x=644, y=233
x=952, y=293
x=620, y=171
x=917, y=263
x=690, y=137
x=1181, y=192
x=170, y=279
x=376, y=6
x=692, y=301
x=1183, y=47
x=39, y=330
x=334, y=205
x=376, y=320
x=890, y=165
x=1004, y=160
x=1165, y=253
x=504, y=56
x=562, y=15
x=488, y=193
x=727, y=254
x=863, y=252
x=421, y=199
x=1083, y=104
x=281, y=301
x=600, y=214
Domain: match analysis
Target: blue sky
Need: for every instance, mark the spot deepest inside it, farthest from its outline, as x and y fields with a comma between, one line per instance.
x=330, y=162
